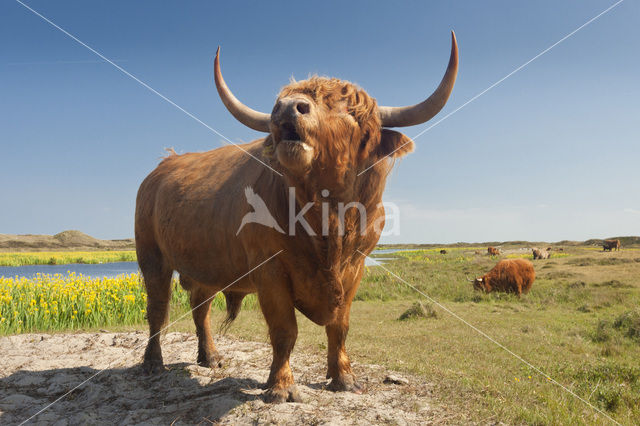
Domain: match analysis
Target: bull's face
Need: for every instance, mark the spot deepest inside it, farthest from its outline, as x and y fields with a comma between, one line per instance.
x=294, y=128
x=332, y=126
x=479, y=284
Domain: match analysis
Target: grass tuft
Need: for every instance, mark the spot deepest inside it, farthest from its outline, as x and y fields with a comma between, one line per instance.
x=629, y=324
x=419, y=310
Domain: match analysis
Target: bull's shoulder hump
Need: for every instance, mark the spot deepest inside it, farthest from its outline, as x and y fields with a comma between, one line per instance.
x=226, y=152
x=206, y=172
x=225, y=158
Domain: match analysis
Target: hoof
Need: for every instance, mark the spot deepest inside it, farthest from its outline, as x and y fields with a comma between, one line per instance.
x=212, y=361
x=280, y=395
x=153, y=367
x=346, y=383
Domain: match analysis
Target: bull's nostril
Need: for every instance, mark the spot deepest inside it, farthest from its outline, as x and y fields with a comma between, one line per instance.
x=303, y=107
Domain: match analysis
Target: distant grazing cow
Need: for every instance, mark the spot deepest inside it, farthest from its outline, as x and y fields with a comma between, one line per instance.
x=549, y=248
x=540, y=254
x=509, y=275
x=492, y=251
x=609, y=245
x=443, y=251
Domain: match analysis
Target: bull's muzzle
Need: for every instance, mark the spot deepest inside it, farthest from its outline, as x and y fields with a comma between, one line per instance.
x=290, y=109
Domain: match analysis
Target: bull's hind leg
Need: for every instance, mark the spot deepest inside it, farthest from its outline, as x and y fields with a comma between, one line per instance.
x=201, y=298
x=278, y=310
x=157, y=280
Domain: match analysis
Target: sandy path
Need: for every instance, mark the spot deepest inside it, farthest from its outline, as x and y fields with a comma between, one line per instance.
x=35, y=369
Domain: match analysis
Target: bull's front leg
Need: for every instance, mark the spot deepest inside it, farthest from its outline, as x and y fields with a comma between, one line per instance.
x=278, y=310
x=338, y=364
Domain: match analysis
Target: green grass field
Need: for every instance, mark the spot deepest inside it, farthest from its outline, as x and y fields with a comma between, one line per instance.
x=580, y=325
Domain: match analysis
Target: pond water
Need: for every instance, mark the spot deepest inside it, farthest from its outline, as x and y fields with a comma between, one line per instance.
x=389, y=251
x=118, y=268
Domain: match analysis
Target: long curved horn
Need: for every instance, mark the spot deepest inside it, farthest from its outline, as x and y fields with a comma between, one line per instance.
x=424, y=111
x=251, y=118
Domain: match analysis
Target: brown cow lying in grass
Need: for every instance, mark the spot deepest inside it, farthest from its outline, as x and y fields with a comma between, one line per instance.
x=509, y=275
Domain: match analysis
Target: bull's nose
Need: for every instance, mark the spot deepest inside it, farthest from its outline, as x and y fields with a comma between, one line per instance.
x=287, y=109
x=303, y=107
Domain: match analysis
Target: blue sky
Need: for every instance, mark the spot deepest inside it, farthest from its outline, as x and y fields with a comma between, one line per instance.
x=551, y=153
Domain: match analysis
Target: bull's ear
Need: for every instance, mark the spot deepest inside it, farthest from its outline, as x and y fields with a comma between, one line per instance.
x=394, y=144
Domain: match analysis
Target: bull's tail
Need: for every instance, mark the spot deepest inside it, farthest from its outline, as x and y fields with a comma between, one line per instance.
x=234, y=303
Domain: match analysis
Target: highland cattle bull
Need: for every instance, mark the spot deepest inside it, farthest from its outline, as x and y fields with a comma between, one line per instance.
x=328, y=145
x=540, y=254
x=493, y=251
x=609, y=245
x=509, y=275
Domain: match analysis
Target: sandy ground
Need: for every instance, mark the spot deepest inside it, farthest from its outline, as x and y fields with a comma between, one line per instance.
x=36, y=369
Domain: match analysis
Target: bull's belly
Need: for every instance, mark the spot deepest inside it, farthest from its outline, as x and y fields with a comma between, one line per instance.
x=208, y=257
x=217, y=275
x=212, y=265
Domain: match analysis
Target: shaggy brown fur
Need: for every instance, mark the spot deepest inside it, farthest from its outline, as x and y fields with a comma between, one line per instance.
x=540, y=254
x=611, y=245
x=190, y=207
x=509, y=275
x=492, y=251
